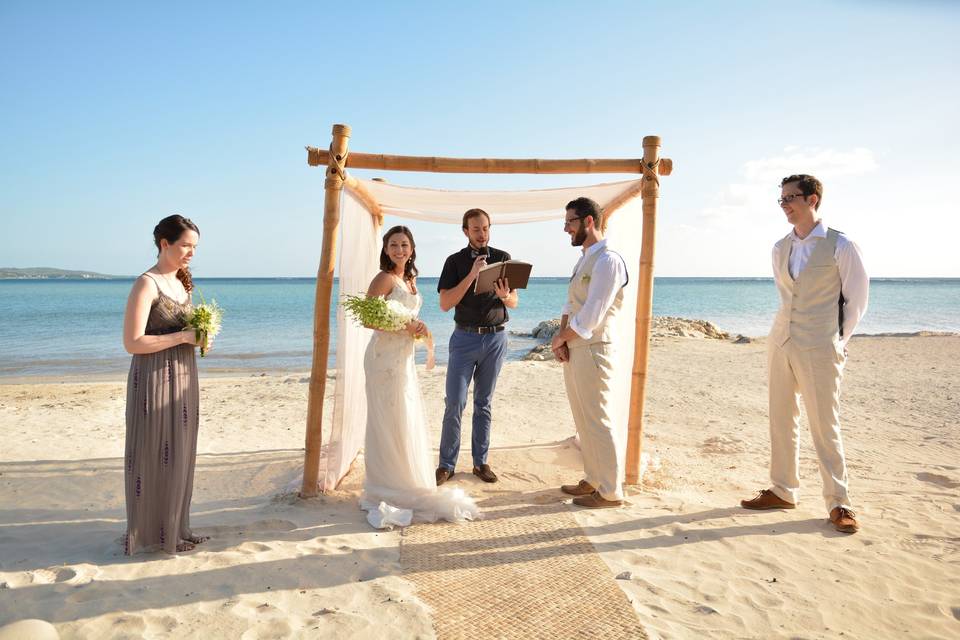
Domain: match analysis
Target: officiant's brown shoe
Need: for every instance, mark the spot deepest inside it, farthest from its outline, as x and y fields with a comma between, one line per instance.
x=582, y=488
x=485, y=473
x=767, y=499
x=844, y=520
x=443, y=474
x=596, y=501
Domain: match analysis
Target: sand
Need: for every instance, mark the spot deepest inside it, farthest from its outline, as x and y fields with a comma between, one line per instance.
x=690, y=562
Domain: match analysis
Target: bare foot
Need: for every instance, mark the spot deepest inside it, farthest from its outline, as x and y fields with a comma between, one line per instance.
x=185, y=546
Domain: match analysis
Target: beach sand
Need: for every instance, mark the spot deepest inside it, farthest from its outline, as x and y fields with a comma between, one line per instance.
x=691, y=563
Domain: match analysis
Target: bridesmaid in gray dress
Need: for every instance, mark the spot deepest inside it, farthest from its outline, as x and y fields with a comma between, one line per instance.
x=163, y=397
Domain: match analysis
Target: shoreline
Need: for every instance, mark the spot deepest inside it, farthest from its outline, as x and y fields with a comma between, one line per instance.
x=687, y=329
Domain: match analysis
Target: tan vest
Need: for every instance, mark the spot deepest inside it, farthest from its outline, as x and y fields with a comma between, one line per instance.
x=577, y=297
x=810, y=303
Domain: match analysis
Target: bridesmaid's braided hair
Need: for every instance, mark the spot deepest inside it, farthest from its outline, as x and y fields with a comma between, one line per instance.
x=170, y=229
x=386, y=263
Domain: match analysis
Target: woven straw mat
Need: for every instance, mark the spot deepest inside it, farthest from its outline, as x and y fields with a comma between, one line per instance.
x=525, y=570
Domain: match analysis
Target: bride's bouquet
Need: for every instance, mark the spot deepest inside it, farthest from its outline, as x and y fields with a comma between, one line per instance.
x=205, y=319
x=378, y=313
x=385, y=315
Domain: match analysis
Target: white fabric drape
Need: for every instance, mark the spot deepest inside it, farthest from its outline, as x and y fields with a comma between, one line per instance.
x=505, y=207
x=624, y=233
x=359, y=261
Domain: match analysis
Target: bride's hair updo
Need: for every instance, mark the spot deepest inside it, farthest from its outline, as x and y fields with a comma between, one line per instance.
x=386, y=263
x=170, y=229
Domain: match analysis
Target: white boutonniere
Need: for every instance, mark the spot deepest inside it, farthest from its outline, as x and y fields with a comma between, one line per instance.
x=585, y=278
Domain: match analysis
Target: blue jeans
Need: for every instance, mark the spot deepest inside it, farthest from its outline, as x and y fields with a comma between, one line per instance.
x=477, y=356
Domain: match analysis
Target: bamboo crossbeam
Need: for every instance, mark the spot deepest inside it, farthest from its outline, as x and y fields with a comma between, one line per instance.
x=316, y=157
x=321, y=311
x=644, y=318
x=367, y=199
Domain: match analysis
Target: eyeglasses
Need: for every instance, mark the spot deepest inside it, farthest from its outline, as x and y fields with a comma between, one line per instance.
x=569, y=221
x=788, y=199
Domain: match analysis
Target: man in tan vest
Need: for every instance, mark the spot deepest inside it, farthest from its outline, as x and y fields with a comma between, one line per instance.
x=823, y=294
x=585, y=345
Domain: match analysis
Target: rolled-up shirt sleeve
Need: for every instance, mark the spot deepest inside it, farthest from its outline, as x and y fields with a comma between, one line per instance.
x=608, y=277
x=854, y=285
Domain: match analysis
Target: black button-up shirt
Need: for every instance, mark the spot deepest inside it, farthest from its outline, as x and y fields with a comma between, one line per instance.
x=474, y=310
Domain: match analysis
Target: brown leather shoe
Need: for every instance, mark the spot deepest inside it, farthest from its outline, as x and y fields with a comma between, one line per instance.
x=485, y=473
x=582, y=488
x=596, y=501
x=767, y=499
x=844, y=520
x=443, y=474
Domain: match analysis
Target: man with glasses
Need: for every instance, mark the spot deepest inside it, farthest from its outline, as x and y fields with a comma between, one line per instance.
x=823, y=291
x=478, y=344
x=585, y=346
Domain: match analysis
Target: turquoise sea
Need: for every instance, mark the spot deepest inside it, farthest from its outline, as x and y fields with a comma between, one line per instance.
x=73, y=327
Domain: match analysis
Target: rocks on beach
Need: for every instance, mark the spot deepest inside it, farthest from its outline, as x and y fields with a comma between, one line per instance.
x=663, y=327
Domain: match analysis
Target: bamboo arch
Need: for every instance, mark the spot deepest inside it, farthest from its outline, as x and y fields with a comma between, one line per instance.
x=337, y=158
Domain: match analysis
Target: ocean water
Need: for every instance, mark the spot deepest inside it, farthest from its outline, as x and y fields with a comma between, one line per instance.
x=71, y=327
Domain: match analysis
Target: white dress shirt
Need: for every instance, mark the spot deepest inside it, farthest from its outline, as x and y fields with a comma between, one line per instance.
x=854, y=283
x=608, y=277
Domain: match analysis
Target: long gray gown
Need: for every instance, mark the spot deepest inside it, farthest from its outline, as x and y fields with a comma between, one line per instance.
x=163, y=410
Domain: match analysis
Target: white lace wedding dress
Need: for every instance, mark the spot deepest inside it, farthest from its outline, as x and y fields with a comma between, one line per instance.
x=400, y=486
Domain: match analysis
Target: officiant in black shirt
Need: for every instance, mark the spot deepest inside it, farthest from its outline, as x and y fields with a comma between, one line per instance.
x=478, y=344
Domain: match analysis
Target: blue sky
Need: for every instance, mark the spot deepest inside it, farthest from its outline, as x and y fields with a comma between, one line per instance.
x=114, y=116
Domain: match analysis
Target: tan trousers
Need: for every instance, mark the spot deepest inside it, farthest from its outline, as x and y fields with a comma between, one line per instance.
x=814, y=374
x=587, y=377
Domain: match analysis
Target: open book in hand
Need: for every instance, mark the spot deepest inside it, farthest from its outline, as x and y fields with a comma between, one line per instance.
x=516, y=272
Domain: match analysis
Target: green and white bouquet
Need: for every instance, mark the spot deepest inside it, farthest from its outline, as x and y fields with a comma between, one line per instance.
x=378, y=313
x=385, y=315
x=205, y=319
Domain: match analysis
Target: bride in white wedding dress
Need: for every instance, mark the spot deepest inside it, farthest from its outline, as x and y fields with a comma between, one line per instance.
x=400, y=487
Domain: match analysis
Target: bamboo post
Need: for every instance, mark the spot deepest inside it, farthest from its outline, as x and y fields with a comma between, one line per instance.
x=641, y=350
x=321, y=308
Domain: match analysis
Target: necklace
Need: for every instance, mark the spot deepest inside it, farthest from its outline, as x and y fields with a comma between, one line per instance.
x=171, y=285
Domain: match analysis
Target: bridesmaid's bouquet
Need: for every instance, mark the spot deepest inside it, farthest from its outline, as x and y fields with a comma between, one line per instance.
x=385, y=315
x=205, y=319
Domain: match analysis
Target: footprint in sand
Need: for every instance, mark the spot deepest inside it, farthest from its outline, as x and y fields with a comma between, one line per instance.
x=129, y=626
x=51, y=575
x=926, y=543
x=257, y=526
x=723, y=444
x=939, y=480
x=271, y=629
x=253, y=547
x=522, y=476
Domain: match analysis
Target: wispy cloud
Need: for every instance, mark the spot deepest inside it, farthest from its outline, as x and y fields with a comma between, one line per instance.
x=739, y=201
x=823, y=163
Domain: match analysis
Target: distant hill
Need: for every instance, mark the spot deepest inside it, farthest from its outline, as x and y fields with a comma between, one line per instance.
x=48, y=273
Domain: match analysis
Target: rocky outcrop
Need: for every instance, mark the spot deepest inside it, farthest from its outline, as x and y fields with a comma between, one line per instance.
x=546, y=329
x=671, y=327
x=663, y=327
